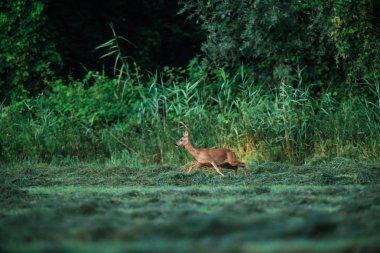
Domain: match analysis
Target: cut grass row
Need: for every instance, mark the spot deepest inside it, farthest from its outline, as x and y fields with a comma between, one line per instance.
x=277, y=218
x=332, y=205
x=328, y=171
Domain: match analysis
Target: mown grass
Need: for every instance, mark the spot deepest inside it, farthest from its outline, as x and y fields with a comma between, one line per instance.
x=330, y=205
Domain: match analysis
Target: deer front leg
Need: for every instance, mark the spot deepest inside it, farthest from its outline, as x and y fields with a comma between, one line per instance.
x=217, y=168
x=194, y=167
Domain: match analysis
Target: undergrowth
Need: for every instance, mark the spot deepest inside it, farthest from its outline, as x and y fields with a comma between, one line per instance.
x=135, y=121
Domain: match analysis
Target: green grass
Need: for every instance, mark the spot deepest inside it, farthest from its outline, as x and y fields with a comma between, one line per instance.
x=136, y=122
x=330, y=205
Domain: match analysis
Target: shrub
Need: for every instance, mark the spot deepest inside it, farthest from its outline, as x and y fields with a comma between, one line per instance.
x=27, y=53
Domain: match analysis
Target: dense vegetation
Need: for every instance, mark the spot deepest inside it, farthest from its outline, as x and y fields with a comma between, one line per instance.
x=277, y=81
x=333, y=43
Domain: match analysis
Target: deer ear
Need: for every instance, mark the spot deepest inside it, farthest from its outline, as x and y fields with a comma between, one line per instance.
x=186, y=133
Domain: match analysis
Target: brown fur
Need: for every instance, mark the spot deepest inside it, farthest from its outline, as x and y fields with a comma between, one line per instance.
x=211, y=157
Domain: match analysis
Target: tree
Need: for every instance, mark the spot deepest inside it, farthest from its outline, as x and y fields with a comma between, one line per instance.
x=27, y=52
x=328, y=41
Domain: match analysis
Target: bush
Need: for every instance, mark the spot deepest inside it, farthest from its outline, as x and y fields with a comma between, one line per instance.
x=27, y=53
x=336, y=42
x=87, y=121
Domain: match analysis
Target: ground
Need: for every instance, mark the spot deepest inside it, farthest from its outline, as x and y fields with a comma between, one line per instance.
x=327, y=205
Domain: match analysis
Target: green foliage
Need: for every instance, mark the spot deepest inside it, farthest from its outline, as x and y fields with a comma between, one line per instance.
x=27, y=54
x=335, y=41
x=136, y=120
x=131, y=120
x=355, y=35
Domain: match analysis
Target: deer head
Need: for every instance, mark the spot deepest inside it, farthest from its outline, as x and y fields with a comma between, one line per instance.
x=184, y=140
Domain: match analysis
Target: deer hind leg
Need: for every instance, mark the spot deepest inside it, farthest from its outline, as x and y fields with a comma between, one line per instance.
x=194, y=167
x=217, y=168
x=235, y=171
x=240, y=164
x=245, y=170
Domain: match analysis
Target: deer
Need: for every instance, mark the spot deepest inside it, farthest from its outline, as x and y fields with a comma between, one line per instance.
x=211, y=157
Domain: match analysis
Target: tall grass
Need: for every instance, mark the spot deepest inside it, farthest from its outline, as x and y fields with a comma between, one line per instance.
x=86, y=122
x=131, y=120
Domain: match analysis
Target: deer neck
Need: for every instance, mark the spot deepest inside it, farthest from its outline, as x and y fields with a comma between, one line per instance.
x=192, y=150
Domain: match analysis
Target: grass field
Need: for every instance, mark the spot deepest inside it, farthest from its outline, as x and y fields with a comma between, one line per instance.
x=327, y=205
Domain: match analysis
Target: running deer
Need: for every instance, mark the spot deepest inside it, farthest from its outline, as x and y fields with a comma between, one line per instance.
x=211, y=157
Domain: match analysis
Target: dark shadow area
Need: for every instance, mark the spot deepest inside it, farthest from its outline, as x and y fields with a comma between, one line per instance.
x=160, y=36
